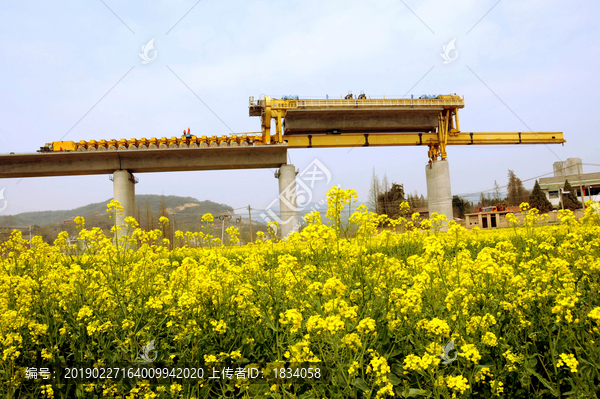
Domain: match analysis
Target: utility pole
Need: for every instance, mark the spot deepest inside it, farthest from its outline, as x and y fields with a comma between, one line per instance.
x=223, y=217
x=250, y=216
x=172, y=228
x=222, y=229
x=581, y=189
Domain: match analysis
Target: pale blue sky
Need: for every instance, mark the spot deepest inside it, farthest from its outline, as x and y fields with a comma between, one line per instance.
x=58, y=59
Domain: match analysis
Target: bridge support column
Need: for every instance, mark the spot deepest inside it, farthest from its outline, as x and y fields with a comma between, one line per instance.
x=439, y=195
x=124, y=192
x=287, y=199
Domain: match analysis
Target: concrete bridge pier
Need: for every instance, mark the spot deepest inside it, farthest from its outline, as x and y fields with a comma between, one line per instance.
x=124, y=192
x=287, y=199
x=439, y=195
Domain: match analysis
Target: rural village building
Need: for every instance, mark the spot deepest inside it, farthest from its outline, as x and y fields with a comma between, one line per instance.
x=587, y=184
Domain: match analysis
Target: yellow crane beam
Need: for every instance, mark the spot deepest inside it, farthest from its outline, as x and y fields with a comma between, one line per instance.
x=416, y=139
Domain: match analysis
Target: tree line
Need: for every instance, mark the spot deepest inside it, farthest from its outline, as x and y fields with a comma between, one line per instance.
x=385, y=197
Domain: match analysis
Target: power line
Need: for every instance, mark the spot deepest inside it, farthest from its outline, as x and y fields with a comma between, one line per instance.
x=532, y=178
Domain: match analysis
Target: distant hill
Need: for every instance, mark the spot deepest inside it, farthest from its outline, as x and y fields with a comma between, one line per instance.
x=184, y=214
x=181, y=206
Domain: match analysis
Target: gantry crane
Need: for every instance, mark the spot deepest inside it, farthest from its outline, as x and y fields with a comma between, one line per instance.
x=346, y=122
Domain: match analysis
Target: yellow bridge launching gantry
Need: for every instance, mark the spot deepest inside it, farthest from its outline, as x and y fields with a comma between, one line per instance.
x=349, y=122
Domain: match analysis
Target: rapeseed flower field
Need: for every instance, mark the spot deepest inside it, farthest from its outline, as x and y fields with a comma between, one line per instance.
x=375, y=312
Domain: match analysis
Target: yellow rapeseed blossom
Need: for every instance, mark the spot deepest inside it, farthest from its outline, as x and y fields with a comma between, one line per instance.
x=480, y=323
x=353, y=368
x=416, y=363
x=46, y=354
x=387, y=390
x=366, y=325
x=435, y=326
x=489, y=338
x=333, y=286
x=301, y=352
x=175, y=389
x=219, y=326
x=352, y=341
x=568, y=360
x=564, y=304
x=458, y=384
x=434, y=348
x=340, y=307
x=470, y=352
x=330, y=324
x=483, y=373
x=595, y=314
x=379, y=367
x=350, y=292
x=80, y=221
x=513, y=360
x=208, y=359
x=293, y=318
x=497, y=387
x=47, y=391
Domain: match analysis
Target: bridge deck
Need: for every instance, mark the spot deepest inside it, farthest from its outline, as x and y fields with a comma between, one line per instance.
x=141, y=161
